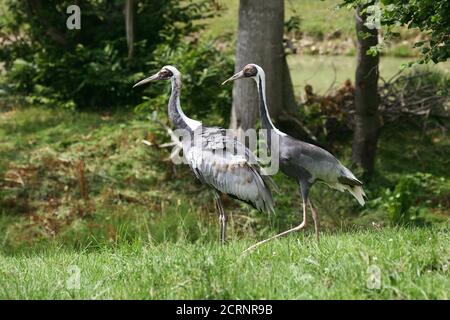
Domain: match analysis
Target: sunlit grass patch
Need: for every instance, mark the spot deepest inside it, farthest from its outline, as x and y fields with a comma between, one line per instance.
x=408, y=264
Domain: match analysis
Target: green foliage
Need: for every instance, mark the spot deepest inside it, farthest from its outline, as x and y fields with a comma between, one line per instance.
x=428, y=16
x=89, y=67
x=293, y=24
x=400, y=202
x=402, y=50
x=414, y=194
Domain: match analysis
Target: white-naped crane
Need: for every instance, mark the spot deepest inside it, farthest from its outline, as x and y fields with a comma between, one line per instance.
x=302, y=161
x=217, y=160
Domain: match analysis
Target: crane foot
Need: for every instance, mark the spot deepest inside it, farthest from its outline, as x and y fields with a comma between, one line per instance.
x=297, y=228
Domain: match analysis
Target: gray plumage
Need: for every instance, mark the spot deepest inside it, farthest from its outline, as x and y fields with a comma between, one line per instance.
x=216, y=159
x=309, y=163
x=229, y=167
x=304, y=162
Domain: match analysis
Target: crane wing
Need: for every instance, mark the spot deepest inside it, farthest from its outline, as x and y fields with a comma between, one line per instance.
x=226, y=165
x=315, y=163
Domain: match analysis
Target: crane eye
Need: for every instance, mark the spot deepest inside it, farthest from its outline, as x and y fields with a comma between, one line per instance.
x=250, y=71
x=166, y=73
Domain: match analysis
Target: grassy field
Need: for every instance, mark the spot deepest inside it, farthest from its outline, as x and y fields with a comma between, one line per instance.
x=80, y=192
x=323, y=25
x=323, y=72
x=408, y=263
x=137, y=227
x=315, y=17
x=82, y=198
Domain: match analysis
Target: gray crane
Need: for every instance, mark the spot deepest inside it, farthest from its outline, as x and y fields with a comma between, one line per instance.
x=302, y=161
x=217, y=160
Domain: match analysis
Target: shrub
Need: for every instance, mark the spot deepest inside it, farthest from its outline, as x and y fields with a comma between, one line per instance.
x=412, y=194
x=89, y=67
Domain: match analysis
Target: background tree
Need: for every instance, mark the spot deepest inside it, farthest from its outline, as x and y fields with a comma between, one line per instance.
x=260, y=40
x=366, y=95
x=428, y=16
x=89, y=68
x=129, y=26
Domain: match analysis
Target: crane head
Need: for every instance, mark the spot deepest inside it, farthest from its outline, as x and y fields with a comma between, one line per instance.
x=249, y=71
x=166, y=73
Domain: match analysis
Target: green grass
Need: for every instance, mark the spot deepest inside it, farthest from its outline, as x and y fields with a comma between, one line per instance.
x=134, y=191
x=318, y=20
x=149, y=230
x=315, y=17
x=323, y=72
x=131, y=188
x=413, y=264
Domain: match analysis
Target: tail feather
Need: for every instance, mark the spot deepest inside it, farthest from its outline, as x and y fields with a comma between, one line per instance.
x=358, y=193
x=271, y=183
x=348, y=181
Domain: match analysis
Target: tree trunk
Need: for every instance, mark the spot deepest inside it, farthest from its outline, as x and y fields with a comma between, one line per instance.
x=260, y=41
x=366, y=98
x=129, y=26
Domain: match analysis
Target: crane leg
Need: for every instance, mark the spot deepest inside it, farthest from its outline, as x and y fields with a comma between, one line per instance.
x=222, y=217
x=304, y=190
x=316, y=220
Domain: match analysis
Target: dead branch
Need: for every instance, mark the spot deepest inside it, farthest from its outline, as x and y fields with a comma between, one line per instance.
x=402, y=95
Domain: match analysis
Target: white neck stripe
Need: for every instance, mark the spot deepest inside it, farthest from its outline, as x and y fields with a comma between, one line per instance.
x=261, y=74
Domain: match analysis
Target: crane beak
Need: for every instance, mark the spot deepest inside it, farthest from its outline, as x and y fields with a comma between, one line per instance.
x=238, y=75
x=147, y=80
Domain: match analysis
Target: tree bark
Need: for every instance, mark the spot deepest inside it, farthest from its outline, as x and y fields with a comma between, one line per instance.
x=366, y=98
x=129, y=26
x=260, y=41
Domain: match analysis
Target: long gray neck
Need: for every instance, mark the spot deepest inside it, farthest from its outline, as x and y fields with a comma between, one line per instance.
x=176, y=115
